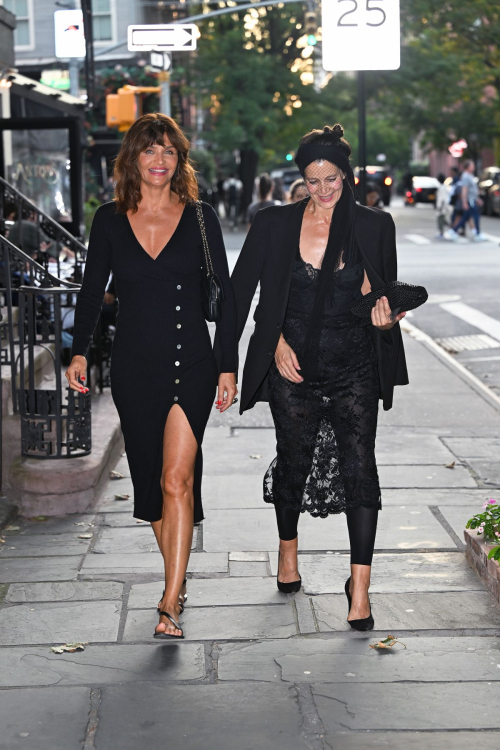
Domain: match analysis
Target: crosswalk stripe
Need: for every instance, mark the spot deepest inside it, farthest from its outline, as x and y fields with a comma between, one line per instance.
x=418, y=239
x=474, y=317
x=491, y=237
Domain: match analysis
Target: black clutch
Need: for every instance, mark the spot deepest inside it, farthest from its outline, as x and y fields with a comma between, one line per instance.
x=401, y=297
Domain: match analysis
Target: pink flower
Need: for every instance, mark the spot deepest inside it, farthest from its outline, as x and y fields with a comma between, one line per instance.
x=497, y=533
x=491, y=501
x=480, y=530
x=485, y=504
x=483, y=523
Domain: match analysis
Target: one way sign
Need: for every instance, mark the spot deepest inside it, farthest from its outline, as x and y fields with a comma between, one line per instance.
x=168, y=37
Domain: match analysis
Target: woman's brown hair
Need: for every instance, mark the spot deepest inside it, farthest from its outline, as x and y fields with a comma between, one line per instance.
x=146, y=131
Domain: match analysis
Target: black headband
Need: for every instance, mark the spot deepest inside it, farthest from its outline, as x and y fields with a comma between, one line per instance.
x=309, y=152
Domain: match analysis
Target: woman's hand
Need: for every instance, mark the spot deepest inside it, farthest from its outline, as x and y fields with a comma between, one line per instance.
x=226, y=391
x=287, y=362
x=77, y=370
x=381, y=315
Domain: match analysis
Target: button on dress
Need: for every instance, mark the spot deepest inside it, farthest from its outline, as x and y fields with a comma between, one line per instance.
x=162, y=352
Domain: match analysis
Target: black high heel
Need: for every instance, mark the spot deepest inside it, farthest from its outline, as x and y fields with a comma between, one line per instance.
x=288, y=588
x=364, y=623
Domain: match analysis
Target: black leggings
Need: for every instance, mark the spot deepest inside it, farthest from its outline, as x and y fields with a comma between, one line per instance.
x=361, y=523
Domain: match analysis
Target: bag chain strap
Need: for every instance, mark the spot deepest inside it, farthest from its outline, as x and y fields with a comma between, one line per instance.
x=201, y=221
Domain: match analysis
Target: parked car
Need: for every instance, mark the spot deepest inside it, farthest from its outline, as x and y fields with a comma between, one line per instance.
x=423, y=190
x=287, y=175
x=381, y=177
x=487, y=184
x=492, y=207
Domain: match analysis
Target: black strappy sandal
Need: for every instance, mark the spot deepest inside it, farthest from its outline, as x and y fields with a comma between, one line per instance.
x=181, y=603
x=164, y=636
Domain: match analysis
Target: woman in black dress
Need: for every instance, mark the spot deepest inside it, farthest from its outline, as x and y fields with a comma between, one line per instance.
x=314, y=260
x=163, y=373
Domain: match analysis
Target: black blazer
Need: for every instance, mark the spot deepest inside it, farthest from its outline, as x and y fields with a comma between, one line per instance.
x=268, y=256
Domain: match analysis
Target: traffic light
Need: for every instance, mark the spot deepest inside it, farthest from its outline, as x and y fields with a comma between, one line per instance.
x=125, y=107
x=311, y=28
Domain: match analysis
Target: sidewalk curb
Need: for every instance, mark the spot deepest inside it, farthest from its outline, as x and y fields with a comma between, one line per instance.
x=452, y=364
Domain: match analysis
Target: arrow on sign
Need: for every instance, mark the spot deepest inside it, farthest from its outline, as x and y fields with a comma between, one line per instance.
x=173, y=37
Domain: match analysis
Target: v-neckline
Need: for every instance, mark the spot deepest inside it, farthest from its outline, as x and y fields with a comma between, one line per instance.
x=164, y=246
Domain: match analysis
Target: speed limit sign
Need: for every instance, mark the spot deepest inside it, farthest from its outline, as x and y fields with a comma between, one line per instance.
x=361, y=34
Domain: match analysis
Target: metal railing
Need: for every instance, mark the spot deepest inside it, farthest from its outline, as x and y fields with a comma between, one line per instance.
x=17, y=213
x=36, y=307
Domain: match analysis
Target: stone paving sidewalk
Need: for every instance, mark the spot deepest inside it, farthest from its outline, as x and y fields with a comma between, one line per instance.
x=259, y=670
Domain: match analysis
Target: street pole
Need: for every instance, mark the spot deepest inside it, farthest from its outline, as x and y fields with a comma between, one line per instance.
x=74, y=83
x=362, y=136
x=89, y=50
x=165, y=103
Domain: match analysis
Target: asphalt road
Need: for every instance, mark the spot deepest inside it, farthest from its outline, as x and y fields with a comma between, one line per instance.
x=463, y=281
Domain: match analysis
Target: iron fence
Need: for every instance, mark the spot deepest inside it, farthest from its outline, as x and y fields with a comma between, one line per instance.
x=35, y=309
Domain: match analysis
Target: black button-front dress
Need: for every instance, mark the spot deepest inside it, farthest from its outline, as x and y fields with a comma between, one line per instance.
x=326, y=429
x=162, y=352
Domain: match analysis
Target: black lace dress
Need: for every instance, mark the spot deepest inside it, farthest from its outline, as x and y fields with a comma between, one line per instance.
x=325, y=429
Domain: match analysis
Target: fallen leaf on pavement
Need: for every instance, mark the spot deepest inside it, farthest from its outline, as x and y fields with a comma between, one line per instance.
x=122, y=497
x=450, y=466
x=85, y=536
x=80, y=524
x=388, y=642
x=69, y=647
x=12, y=528
x=115, y=475
x=255, y=455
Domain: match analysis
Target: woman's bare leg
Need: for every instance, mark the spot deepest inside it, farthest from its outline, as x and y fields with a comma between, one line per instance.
x=288, y=569
x=175, y=530
x=156, y=525
x=360, y=583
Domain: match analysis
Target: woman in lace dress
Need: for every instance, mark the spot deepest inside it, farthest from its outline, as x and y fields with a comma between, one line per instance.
x=321, y=368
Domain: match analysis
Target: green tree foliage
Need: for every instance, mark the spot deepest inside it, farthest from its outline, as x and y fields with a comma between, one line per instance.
x=448, y=85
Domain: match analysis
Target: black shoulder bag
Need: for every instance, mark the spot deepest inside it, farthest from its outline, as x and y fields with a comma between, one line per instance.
x=212, y=291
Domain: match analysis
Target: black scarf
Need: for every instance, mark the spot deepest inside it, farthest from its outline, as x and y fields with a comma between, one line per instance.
x=340, y=245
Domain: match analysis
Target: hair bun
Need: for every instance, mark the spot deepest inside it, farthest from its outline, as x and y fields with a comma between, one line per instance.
x=337, y=131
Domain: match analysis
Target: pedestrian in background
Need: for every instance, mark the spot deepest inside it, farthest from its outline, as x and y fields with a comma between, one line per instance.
x=320, y=368
x=163, y=371
x=265, y=192
x=471, y=205
x=298, y=191
x=442, y=206
x=373, y=199
x=232, y=190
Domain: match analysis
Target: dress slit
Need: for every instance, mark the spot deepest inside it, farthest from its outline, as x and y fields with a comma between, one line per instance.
x=198, y=466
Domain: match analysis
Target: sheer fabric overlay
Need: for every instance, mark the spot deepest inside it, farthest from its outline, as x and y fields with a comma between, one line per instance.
x=326, y=428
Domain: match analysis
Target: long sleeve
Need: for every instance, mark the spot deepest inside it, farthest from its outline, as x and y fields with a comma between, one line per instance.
x=248, y=269
x=389, y=253
x=95, y=279
x=226, y=347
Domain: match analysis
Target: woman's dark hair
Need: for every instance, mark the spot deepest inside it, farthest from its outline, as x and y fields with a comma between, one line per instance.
x=328, y=145
x=329, y=136
x=441, y=178
x=265, y=185
x=146, y=131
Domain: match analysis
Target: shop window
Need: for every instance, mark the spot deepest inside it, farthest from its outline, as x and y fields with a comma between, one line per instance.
x=23, y=11
x=102, y=13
